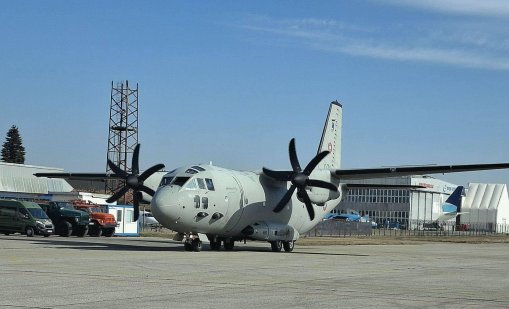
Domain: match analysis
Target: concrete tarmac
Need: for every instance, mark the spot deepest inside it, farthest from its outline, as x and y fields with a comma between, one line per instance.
x=58, y=272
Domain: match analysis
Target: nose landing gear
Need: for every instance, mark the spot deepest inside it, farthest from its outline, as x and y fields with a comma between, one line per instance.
x=192, y=243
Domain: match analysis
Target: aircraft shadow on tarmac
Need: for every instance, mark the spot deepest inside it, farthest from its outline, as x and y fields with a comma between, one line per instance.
x=138, y=244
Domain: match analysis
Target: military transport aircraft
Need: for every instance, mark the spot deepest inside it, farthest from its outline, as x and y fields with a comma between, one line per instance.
x=226, y=205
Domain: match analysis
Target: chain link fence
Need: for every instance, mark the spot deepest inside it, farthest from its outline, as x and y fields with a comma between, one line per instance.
x=414, y=228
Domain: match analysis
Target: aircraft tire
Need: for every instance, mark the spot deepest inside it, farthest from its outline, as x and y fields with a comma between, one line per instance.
x=288, y=245
x=276, y=246
x=188, y=246
x=196, y=245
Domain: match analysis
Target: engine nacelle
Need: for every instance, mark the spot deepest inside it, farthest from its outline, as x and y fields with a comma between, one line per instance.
x=270, y=231
x=320, y=196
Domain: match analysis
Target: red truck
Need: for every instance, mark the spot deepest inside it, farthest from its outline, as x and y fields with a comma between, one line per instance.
x=101, y=222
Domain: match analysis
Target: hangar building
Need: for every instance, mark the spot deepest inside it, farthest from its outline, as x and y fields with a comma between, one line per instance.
x=404, y=207
x=486, y=207
x=18, y=181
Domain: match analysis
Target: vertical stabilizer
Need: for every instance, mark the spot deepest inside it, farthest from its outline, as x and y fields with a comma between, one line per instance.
x=453, y=203
x=331, y=137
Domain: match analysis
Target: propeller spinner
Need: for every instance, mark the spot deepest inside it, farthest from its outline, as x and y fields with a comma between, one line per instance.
x=133, y=181
x=300, y=179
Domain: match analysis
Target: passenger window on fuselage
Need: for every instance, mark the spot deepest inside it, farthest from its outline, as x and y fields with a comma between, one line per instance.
x=201, y=183
x=205, y=202
x=197, y=201
x=210, y=184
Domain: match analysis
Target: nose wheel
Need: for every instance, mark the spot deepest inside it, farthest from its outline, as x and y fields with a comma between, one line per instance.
x=192, y=243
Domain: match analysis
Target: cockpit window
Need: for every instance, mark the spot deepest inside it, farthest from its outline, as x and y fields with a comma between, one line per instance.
x=166, y=181
x=201, y=183
x=210, y=184
x=180, y=181
x=198, y=168
x=191, y=185
x=191, y=171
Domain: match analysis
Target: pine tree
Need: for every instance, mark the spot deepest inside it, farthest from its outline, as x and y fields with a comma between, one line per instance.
x=13, y=150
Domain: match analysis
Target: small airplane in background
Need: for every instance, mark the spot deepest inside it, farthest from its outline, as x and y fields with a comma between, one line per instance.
x=452, y=206
x=204, y=201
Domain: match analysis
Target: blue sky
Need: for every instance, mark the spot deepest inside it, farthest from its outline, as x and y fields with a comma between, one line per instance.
x=421, y=82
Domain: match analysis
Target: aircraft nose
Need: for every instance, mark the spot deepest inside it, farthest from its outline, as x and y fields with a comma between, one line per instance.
x=165, y=205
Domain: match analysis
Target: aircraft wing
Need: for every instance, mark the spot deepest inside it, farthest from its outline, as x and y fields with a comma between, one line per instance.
x=80, y=176
x=367, y=173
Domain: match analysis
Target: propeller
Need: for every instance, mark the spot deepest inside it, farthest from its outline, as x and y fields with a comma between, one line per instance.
x=133, y=181
x=300, y=179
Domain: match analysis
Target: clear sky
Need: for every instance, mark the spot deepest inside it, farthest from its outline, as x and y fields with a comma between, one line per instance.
x=421, y=82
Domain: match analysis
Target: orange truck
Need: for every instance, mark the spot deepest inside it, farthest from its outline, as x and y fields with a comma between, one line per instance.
x=101, y=222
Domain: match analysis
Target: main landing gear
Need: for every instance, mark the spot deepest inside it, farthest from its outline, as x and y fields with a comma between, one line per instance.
x=277, y=245
x=215, y=243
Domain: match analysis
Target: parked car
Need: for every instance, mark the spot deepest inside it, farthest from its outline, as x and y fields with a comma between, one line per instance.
x=24, y=217
x=147, y=219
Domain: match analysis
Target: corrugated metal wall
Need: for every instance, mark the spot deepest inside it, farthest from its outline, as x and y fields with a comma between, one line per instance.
x=20, y=178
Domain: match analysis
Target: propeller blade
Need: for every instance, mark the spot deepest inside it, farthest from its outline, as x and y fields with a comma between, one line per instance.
x=117, y=195
x=136, y=205
x=313, y=163
x=146, y=190
x=117, y=170
x=135, y=163
x=278, y=175
x=146, y=174
x=286, y=198
x=307, y=201
x=321, y=184
x=293, y=157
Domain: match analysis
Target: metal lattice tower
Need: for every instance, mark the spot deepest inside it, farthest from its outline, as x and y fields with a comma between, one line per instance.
x=123, y=132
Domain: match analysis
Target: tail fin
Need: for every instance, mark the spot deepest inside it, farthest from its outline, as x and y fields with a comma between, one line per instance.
x=453, y=203
x=331, y=137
